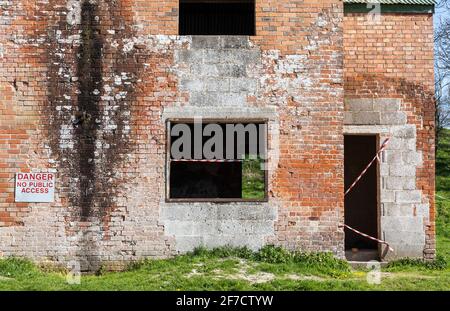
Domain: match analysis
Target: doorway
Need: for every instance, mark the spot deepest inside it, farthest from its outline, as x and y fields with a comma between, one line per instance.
x=361, y=203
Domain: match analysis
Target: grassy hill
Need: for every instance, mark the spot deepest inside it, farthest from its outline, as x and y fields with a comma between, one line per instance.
x=443, y=195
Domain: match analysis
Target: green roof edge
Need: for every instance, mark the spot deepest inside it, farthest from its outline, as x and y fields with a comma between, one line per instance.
x=390, y=8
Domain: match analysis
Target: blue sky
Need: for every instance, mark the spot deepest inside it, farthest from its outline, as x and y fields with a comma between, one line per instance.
x=442, y=12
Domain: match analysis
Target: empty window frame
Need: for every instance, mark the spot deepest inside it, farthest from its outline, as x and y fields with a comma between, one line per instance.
x=217, y=162
x=217, y=17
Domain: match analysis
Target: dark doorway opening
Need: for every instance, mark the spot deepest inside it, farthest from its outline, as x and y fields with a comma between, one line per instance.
x=361, y=203
x=217, y=17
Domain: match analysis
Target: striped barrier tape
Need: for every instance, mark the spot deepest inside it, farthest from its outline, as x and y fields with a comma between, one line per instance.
x=376, y=158
x=369, y=237
x=206, y=161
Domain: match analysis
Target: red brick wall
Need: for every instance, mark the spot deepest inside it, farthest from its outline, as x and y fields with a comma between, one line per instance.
x=394, y=59
x=104, y=209
x=309, y=181
x=21, y=98
x=110, y=166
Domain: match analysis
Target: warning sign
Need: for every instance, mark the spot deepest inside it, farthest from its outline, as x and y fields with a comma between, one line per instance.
x=35, y=187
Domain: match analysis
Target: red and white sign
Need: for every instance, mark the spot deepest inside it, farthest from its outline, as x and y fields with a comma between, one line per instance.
x=35, y=187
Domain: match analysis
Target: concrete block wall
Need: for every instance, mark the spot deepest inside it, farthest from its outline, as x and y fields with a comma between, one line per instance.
x=216, y=71
x=213, y=225
x=403, y=208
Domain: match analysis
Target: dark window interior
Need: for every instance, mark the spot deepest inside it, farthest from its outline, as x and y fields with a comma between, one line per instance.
x=360, y=203
x=219, y=17
x=234, y=179
x=206, y=180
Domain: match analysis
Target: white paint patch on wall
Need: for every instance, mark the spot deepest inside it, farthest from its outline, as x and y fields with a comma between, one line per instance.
x=66, y=137
x=73, y=12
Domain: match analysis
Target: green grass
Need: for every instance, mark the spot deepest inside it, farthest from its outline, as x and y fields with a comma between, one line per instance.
x=443, y=188
x=253, y=179
x=225, y=268
x=271, y=268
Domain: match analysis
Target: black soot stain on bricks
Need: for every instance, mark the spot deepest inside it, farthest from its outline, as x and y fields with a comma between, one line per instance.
x=90, y=75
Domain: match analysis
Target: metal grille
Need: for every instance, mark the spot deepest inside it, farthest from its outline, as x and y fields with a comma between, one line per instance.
x=217, y=18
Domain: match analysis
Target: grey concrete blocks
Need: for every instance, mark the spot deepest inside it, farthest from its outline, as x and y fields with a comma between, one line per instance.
x=358, y=104
x=404, y=237
x=412, y=158
x=406, y=132
x=243, y=85
x=402, y=223
x=399, y=183
x=366, y=117
x=218, y=99
x=401, y=144
x=220, y=42
x=214, y=70
x=402, y=250
x=386, y=104
x=402, y=171
x=374, y=111
x=393, y=118
x=211, y=225
x=404, y=210
x=205, y=42
x=408, y=196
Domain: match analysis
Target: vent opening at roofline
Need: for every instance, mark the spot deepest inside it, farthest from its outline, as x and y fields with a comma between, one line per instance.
x=220, y=17
x=390, y=6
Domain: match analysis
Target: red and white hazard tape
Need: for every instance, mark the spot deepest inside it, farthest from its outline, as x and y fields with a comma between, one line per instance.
x=206, y=161
x=369, y=237
x=376, y=158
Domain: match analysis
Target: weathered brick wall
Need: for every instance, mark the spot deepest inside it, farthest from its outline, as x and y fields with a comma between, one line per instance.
x=86, y=88
x=85, y=85
x=390, y=59
x=85, y=102
x=302, y=48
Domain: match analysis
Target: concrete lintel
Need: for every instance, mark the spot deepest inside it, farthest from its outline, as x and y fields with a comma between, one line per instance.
x=269, y=113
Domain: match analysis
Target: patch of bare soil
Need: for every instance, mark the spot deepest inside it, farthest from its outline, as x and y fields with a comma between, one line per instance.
x=299, y=277
x=242, y=273
x=413, y=275
x=4, y=278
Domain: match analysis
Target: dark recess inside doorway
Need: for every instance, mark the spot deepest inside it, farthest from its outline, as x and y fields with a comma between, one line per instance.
x=361, y=207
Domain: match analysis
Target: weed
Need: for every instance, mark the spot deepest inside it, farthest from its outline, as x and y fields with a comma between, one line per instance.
x=17, y=267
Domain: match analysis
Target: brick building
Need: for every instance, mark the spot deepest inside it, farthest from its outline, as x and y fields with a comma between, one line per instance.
x=90, y=89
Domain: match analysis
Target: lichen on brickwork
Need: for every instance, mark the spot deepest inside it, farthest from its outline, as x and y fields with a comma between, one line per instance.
x=74, y=12
x=93, y=117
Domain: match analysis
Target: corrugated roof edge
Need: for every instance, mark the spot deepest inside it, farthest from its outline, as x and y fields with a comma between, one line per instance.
x=401, y=2
x=362, y=6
